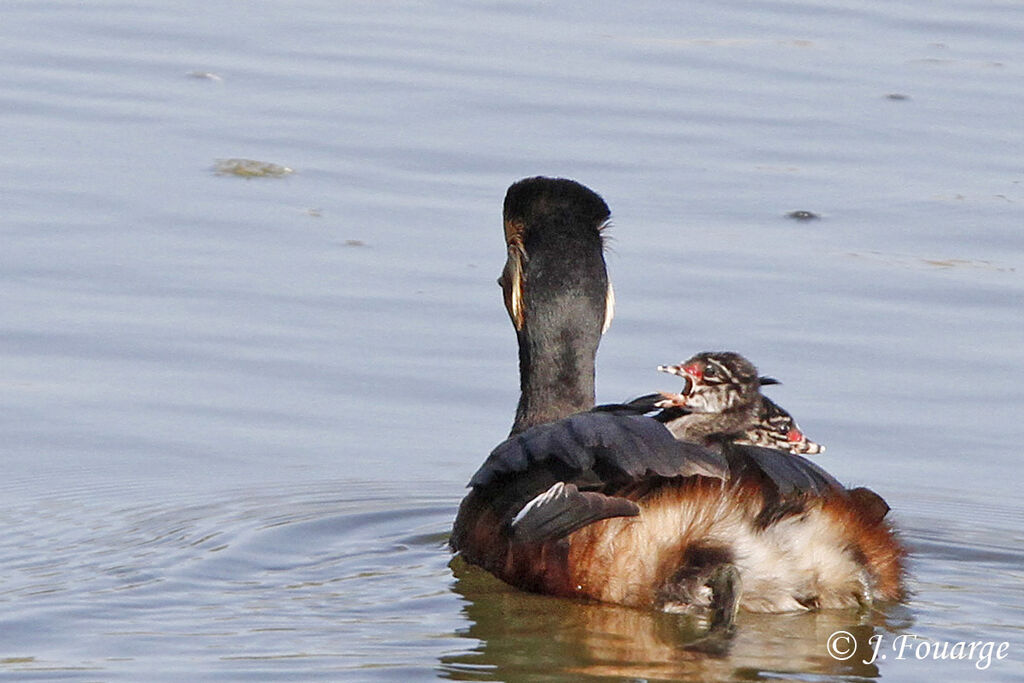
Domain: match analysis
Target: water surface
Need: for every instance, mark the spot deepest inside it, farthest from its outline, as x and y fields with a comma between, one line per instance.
x=237, y=415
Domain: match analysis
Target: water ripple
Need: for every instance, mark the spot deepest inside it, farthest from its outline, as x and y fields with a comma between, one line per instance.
x=260, y=574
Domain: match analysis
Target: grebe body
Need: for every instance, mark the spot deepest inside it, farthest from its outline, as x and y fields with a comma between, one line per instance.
x=606, y=504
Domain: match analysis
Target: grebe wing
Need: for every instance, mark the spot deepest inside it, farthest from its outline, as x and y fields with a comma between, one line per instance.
x=788, y=483
x=782, y=472
x=603, y=447
x=644, y=405
x=641, y=405
x=555, y=478
x=563, y=509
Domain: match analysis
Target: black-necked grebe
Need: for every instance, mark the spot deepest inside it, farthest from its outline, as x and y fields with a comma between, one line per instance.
x=606, y=504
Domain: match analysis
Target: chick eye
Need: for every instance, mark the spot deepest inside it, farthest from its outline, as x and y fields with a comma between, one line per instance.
x=710, y=371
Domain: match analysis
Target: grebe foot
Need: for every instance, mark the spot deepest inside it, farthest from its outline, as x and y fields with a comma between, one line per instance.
x=712, y=586
x=726, y=588
x=865, y=599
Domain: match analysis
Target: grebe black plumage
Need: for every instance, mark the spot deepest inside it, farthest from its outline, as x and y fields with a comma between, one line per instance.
x=605, y=504
x=722, y=401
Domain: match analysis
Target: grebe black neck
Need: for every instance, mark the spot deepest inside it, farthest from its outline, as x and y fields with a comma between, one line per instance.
x=557, y=294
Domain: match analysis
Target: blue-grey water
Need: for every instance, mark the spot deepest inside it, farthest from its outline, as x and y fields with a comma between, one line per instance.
x=237, y=415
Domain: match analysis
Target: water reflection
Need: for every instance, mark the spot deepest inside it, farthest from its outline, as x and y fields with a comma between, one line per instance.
x=521, y=634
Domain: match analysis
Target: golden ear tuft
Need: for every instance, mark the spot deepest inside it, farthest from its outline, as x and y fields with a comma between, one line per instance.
x=514, y=274
x=512, y=285
x=514, y=233
x=609, y=308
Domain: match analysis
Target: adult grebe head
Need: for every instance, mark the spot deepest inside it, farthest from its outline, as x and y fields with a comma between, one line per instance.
x=557, y=294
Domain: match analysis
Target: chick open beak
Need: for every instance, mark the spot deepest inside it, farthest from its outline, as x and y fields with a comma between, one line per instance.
x=687, y=383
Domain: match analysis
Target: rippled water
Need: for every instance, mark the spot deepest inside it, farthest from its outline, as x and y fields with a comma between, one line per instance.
x=236, y=415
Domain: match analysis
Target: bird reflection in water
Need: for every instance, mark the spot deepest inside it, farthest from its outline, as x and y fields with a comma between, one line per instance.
x=522, y=635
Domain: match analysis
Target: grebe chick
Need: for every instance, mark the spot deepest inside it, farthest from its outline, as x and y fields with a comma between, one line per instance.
x=776, y=428
x=722, y=401
x=606, y=504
